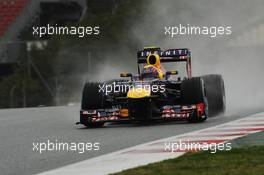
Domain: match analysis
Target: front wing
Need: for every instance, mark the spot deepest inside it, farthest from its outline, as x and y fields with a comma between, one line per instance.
x=168, y=112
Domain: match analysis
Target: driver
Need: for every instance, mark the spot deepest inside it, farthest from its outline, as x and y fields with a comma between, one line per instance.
x=154, y=67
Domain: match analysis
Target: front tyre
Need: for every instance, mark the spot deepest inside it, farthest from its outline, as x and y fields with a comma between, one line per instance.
x=193, y=92
x=93, y=99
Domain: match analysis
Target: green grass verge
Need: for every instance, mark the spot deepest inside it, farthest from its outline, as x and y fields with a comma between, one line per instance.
x=238, y=161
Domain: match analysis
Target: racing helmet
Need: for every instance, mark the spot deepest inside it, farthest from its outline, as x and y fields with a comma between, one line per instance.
x=154, y=60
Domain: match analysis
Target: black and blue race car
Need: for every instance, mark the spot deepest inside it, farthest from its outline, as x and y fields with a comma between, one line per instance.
x=160, y=91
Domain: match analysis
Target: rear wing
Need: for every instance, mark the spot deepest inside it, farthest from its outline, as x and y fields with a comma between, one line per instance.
x=171, y=55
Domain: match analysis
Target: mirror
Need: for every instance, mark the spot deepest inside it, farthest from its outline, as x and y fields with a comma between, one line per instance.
x=125, y=74
x=173, y=72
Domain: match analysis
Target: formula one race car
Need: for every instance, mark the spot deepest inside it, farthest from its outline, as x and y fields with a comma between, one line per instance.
x=154, y=93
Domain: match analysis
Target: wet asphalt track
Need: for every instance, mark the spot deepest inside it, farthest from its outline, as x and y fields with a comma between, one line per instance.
x=19, y=128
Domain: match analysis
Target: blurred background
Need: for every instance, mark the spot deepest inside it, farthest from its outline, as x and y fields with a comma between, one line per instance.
x=51, y=70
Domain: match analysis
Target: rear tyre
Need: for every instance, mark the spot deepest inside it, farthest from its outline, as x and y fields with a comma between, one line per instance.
x=193, y=92
x=93, y=99
x=215, y=92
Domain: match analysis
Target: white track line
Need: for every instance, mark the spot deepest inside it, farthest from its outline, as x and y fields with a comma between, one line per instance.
x=154, y=151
